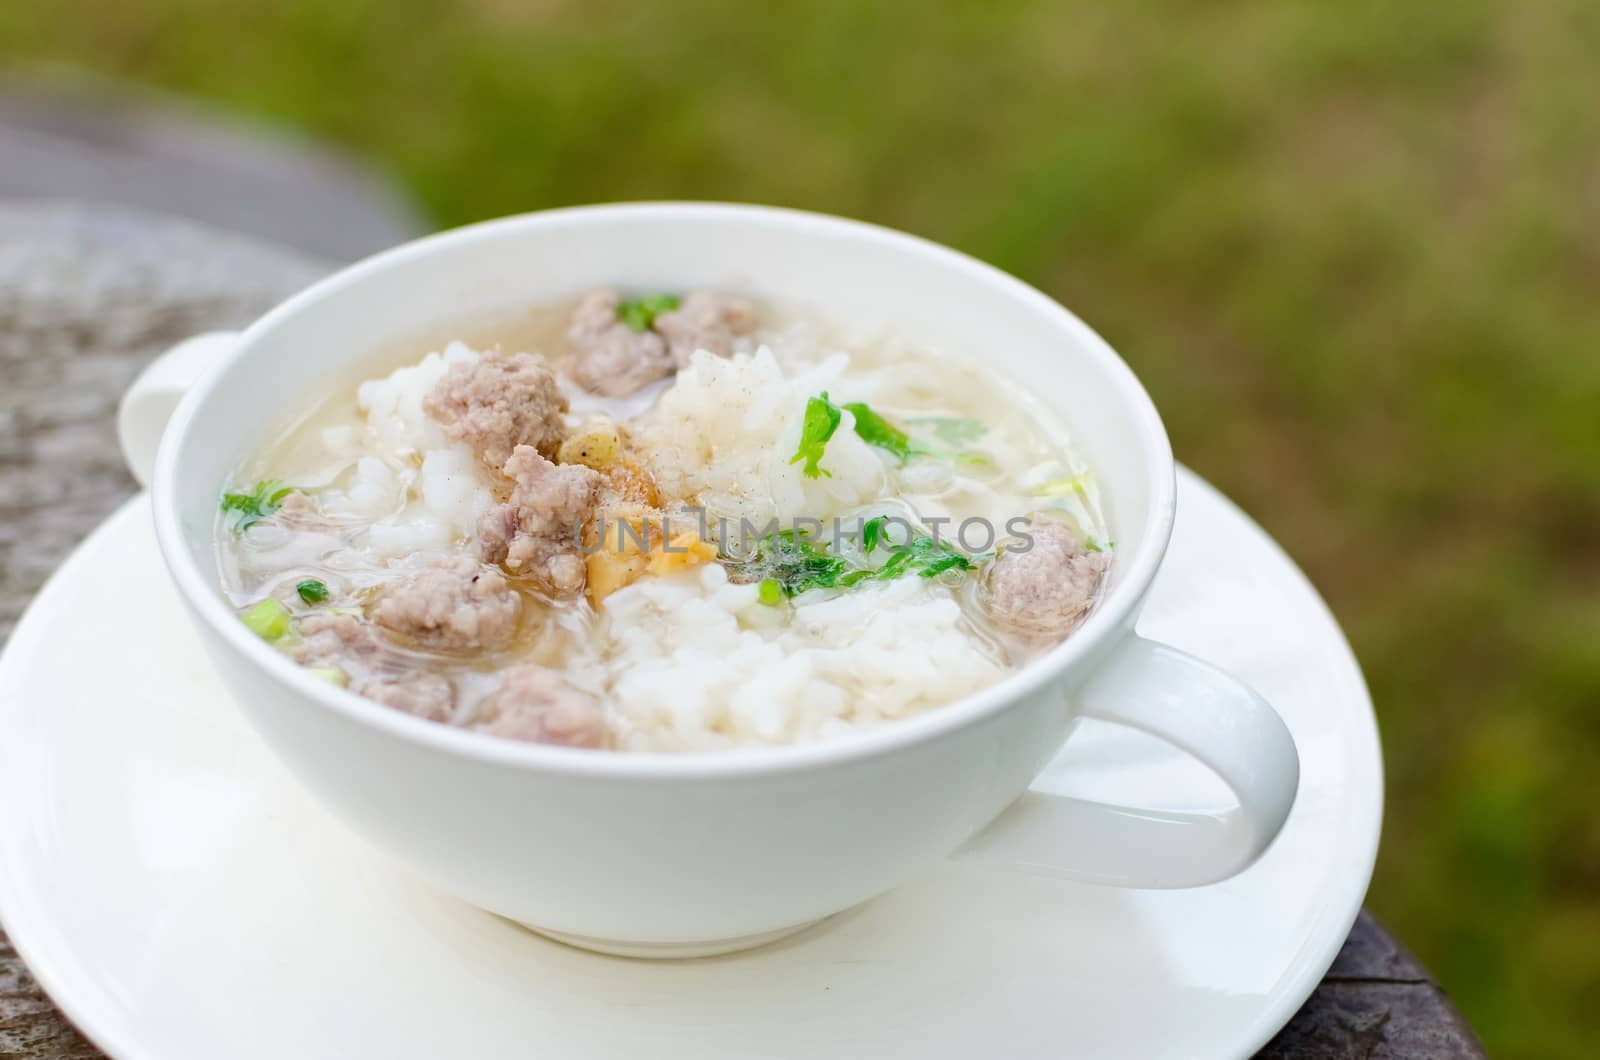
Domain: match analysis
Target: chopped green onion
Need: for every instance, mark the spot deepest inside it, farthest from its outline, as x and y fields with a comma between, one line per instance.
x=268, y=620
x=331, y=674
x=312, y=591
x=822, y=418
x=770, y=592
x=639, y=314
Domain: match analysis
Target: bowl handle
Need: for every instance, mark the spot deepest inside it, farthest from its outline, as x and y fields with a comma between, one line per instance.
x=148, y=404
x=1198, y=708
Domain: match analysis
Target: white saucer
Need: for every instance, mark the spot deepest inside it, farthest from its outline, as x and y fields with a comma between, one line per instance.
x=181, y=898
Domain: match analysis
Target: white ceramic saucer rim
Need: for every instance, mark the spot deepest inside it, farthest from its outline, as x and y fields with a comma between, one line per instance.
x=1339, y=916
x=65, y=977
x=46, y=953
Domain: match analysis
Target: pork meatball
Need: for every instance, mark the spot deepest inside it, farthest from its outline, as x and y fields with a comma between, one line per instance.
x=616, y=359
x=418, y=692
x=1042, y=594
x=328, y=640
x=497, y=403
x=539, y=531
x=705, y=321
x=456, y=605
x=538, y=705
x=609, y=357
x=372, y=669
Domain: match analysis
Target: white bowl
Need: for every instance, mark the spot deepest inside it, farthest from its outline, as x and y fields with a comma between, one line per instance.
x=673, y=855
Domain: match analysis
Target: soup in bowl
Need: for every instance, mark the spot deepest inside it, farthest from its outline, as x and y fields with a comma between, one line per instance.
x=668, y=577
x=669, y=523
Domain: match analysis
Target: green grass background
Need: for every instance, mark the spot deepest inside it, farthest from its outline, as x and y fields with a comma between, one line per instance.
x=1353, y=248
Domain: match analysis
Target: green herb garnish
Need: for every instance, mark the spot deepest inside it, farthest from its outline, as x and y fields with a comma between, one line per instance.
x=952, y=431
x=258, y=504
x=312, y=591
x=872, y=533
x=331, y=674
x=790, y=562
x=875, y=430
x=921, y=554
x=268, y=620
x=639, y=314
x=821, y=420
x=926, y=558
x=787, y=563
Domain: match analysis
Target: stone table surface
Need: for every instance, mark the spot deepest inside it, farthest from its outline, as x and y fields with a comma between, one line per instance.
x=88, y=295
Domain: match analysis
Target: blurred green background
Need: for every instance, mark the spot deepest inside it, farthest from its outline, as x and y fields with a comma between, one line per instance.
x=1354, y=250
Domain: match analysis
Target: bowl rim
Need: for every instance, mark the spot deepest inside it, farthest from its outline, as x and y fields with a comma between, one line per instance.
x=1110, y=619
